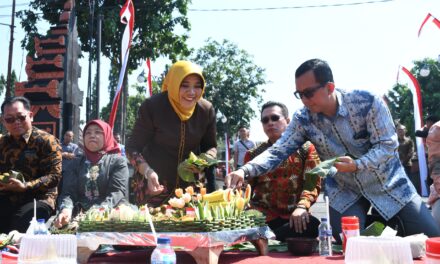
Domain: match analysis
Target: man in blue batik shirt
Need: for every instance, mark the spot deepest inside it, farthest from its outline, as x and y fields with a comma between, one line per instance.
x=343, y=124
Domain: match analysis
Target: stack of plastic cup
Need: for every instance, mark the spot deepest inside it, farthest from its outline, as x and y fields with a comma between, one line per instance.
x=374, y=250
x=48, y=249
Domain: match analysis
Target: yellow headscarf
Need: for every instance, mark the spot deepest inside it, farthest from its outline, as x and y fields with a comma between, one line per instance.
x=172, y=81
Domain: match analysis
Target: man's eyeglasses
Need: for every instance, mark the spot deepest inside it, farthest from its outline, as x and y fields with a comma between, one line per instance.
x=309, y=92
x=266, y=119
x=11, y=120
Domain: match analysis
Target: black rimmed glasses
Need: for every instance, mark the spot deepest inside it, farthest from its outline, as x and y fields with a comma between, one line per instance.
x=308, y=92
x=12, y=119
x=273, y=118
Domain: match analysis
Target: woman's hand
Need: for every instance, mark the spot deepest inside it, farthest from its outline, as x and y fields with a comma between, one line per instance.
x=299, y=219
x=13, y=185
x=63, y=218
x=154, y=187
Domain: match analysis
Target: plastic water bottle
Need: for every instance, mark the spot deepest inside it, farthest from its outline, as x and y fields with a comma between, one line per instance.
x=163, y=253
x=41, y=228
x=324, y=236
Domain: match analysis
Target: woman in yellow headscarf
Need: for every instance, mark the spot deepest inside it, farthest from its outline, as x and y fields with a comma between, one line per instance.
x=169, y=126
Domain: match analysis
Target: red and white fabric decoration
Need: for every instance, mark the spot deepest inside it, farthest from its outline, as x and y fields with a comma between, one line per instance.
x=414, y=87
x=429, y=18
x=127, y=17
x=149, y=84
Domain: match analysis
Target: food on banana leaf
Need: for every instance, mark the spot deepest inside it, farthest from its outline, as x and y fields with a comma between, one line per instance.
x=194, y=163
x=5, y=176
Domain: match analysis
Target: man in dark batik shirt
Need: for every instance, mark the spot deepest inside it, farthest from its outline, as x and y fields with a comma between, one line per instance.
x=34, y=153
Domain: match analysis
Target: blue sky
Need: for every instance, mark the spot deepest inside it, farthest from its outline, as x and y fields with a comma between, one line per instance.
x=364, y=44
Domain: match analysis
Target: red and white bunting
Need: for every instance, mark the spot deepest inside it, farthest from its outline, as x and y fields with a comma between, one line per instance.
x=127, y=17
x=149, y=84
x=414, y=87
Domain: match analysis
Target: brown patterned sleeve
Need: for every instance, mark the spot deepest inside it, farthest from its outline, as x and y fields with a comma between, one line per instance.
x=309, y=197
x=50, y=165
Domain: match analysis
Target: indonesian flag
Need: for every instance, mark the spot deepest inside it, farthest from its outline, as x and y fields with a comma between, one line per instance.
x=127, y=17
x=429, y=18
x=418, y=123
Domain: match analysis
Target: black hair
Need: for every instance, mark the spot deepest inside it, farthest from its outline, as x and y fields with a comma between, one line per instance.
x=11, y=100
x=432, y=118
x=283, y=107
x=321, y=70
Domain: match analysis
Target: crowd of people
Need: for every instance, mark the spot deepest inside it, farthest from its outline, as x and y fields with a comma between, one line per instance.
x=373, y=169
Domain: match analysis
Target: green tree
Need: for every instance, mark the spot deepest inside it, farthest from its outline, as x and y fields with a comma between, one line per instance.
x=155, y=29
x=400, y=97
x=233, y=81
x=3, y=82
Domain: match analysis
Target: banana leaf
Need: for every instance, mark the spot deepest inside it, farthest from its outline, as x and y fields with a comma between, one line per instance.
x=319, y=171
x=184, y=170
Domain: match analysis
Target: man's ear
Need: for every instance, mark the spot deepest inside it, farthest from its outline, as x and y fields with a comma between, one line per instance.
x=31, y=116
x=331, y=87
x=288, y=120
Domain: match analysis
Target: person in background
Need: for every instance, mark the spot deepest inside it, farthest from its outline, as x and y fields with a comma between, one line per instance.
x=168, y=127
x=423, y=132
x=121, y=146
x=280, y=194
x=356, y=128
x=99, y=177
x=406, y=148
x=70, y=149
x=34, y=153
x=242, y=145
x=433, y=144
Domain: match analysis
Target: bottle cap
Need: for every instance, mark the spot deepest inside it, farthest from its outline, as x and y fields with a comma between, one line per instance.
x=323, y=219
x=163, y=240
x=41, y=221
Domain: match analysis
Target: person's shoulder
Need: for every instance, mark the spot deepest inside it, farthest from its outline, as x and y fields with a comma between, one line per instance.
x=205, y=104
x=257, y=150
x=43, y=135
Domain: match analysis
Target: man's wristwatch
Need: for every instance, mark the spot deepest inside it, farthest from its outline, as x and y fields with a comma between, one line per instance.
x=246, y=172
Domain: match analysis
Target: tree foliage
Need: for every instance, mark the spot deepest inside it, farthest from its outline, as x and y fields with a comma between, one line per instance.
x=233, y=81
x=154, y=28
x=3, y=82
x=400, y=97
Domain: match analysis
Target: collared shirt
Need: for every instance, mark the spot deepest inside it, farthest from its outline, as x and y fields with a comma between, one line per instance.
x=37, y=155
x=277, y=193
x=406, y=151
x=363, y=128
x=70, y=148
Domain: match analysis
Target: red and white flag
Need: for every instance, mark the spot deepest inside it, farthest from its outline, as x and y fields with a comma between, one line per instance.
x=149, y=84
x=127, y=17
x=414, y=87
x=429, y=18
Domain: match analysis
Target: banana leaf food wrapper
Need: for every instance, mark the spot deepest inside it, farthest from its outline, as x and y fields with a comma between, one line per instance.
x=196, y=163
x=5, y=176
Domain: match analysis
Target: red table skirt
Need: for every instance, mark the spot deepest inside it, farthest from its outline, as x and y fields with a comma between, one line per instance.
x=141, y=256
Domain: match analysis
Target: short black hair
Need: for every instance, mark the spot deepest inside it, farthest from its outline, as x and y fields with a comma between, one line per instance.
x=432, y=118
x=11, y=100
x=321, y=70
x=283, y=107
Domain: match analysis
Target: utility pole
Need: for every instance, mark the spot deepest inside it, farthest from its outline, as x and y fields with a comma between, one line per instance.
x=98, y=64
x=11, y=47
x=89, y=79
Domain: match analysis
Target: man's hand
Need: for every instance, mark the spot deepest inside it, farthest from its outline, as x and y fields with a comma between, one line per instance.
x=234, y=179
x=63, y=218
x=345, y=164
x=68, y=155
x=13, y=185
x=299, y=220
